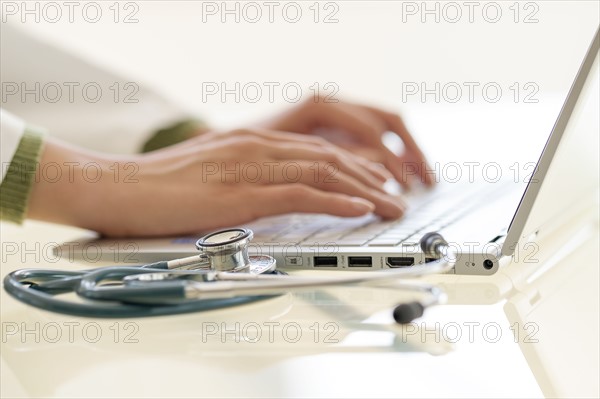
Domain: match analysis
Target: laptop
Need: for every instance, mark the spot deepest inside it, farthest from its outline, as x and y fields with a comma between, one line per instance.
x=483, y=222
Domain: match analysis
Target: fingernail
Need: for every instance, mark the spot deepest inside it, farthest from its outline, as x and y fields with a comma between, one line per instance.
x=362, y=205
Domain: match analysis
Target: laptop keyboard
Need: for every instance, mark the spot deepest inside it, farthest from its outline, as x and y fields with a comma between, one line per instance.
x=428, y=211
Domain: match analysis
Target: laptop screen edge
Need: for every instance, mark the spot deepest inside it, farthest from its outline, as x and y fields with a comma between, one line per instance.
x=527, y=202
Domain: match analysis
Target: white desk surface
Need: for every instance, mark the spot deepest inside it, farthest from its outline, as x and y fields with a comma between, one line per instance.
x=335, y=343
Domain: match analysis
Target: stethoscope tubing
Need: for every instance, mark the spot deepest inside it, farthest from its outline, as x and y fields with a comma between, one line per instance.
x=17, y=285
x=40, y=287
x=171, y=287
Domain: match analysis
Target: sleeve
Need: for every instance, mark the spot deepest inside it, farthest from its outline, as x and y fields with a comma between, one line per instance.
x=80, y=101
x=173, y=134
x=21, y=149
x=11, y=131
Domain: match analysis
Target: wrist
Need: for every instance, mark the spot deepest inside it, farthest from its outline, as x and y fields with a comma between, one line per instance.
x=73, y=186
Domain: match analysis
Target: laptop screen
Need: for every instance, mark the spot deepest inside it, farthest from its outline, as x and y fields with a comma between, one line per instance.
x=566, y=176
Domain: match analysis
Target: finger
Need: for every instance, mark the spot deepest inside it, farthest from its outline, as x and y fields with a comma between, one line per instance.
x=256, y=160
x=325, y=157
x=281, y=136
x=243, y=204
x=374, y=156
x=379, y=171
x=411, y=169
x=395, y=124
x=353, y=119
x=289, y=198
x=368, y=126
x=397, y=168
x=323, y=178
x=370, y=173
x=376, y=169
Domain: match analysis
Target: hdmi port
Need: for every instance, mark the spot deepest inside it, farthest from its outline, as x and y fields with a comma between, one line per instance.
x=400, y=261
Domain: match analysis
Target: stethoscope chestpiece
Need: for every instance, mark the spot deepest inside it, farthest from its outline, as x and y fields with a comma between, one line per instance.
x=227, y=249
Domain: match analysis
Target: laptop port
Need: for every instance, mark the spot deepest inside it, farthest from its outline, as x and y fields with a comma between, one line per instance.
x=488, y=264
x=400, y=261
x=360, y=261
x=427, y=260
x=325, y=261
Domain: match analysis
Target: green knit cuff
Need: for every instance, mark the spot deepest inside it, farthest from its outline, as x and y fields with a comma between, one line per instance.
x=17, y=184
x=174, y=134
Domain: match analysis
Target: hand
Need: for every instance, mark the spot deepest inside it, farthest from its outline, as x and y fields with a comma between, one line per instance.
x=359, y=129
x=208, y=182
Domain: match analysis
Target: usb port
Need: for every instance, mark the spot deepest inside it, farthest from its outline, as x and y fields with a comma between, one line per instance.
x=325, y=261
x=400, y=261
x=360, y=261
x=427, y=260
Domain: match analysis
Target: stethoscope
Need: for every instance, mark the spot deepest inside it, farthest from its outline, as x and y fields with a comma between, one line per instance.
x=224, y=274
